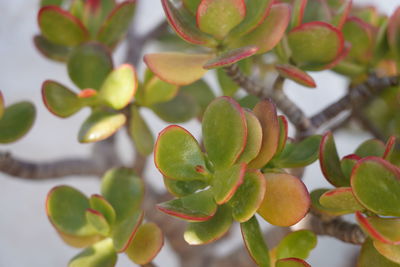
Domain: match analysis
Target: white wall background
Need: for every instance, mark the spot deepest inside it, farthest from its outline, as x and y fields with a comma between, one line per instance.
x=26, y=237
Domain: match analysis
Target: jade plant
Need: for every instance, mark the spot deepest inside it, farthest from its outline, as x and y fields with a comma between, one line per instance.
x=242, y=168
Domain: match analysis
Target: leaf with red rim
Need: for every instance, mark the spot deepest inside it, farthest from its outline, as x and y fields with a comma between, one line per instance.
x=51, y=50
x=347, y=163
x=146, y=244
x=99, y=203
x=376, y=185
x=315, y=196
x=255, y=243
x=225, y=182
x=53, y=20
x=341, y=200
x=184, y=24
x=330, y=163
x=265, y=111
x=297, y=244
x=177, y=155
x=291, y=262
x=268, y=34
x=199, y=233
x=385, y=230
x=370, y=257
x=296, y=75
x=247, y=198
x=315, y=45
x=100, y=254
x=297, y=13
x=283, y=134
x=224, y=132
x=231, y=56
x=254, y=138
x=124, y=231
x=183, y=188
x=117, y=23
x=372, y=147
x=60, y=100
x=170, y=66
x=341, y=14
x=219, y=17
x=393, y=33
x=286, y=199
x=390, y=146
x=195, y=207
x=97, y=220
x=391, y=252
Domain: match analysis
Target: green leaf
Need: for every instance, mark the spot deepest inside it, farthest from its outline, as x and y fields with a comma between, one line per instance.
x=66, y=207
x=225, y=182
x=101, y=254
x=89, y=64
x=201, y=92
x=117, y=23
x=390, y=148
x=125, y=230
x=292, y=262
x=297, y=244
x=391, y=252
x=183, y=188
x=315, y=196
x=16, y=121
x=299, y=154
x=99, y=203
x=376, y=185
x=219, y=17
x=265, y=111
x=53, y=20
x=330, y=163
x=227, y=85
x=156, y=90
x=386, y=230
x=268, y=34
x=199, y=233
x=297, y=13
x=254, y=138
x=146, y=244
x=286, y=199
x=195, y=207
x=248, y=197
x=369, y=257
x=249, y=101
x=372, y=147
x=192, y=5
x=100, y=125
x=51, y=50
x=230, y=57
x=119, y=87
x=170, y=66
x=98, y=221
x=347, y=163
x=341, y=13
x=296, y=75
x=124, y=190
x=340, y=200
x=315, y=45
x=177, y=155
x=60, y=100
x=224, y=131
x=283, y=134
x=140, y=132
x=254, y=241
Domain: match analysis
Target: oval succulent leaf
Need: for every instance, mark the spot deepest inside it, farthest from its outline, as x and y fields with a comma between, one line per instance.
x=247, y=198
x=100, y=125
x=125, y=230
x=183, y=188
x=370, y=257
x=391, y=252
x=224, y=132
x=119, y=87
x=254, y=138
x=255, y=243
x=177, y=155
x=286, y=200
x=199, y=233
x=51, y=50
x=372, y=177
x=347, y=163
x=53, y=20
x=315, y=196
x=295, y=74
x=230, y=57
x=100, y=254
x=292, y=262
x=372, y=147
x=16, y=121
x=140, y=132
x=156, y=91
x=146, y=244
x=60, y=100
x=195, y=207
x=99, y=203
x=97, y=220
x=361, y=37
x=297, y=244
x=225, y=182
x=89, y=64
x=79, y=241
x=219, y=17
x=341, y=200
x=170, y=66
x=385, y=230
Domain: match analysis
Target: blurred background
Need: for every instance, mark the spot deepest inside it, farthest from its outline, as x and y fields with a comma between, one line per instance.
x=26, y=236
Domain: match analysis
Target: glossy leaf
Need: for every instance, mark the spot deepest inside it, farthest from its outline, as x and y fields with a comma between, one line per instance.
x=291, y=262
x=99, y=203
x=201, y=92
x=100, y=125
x=89, y=64
x=146, y=244
x=53, y=20
x=329, y=162
x=177, y=155
x=372, y=147
x=51, y=50
x=125, y=230
x=97, y=220
x=341, y=200
x=183, y=188
x=224, y=132
x=60, y=100
x=247, y=198
x=385, y=230
x=254, y=241
x=286, y=200
x=225, y=182
x=347, y=163
x=265, y=111
x=140, y=132
x=219, y=17
x=101, y=254
x=230, y=57
x=268, y=34
x=124, y=190
x=156, y=91
x=297, y=244
x=198, y=233
x=16, y=121
x=117, y=23
x=369, y=257
x=254, y=138
x=296, y=75
x=195, y=207
x=170, y=66
x=391, y=252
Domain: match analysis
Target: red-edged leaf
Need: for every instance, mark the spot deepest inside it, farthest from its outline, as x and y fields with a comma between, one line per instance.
x=254, y=138
x=391, y=252
x=340, y=15
x=347, y=163
x=340, y=200
x=124, y=231
x=226, y=182
x=231, y=56
x=370, y=257
x=283, y=134
x=390, y=146
x=296, y=75
x=292, y=262
x=298, y=13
